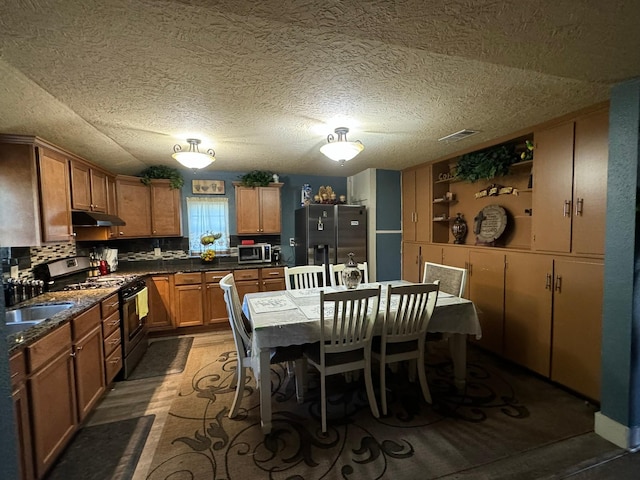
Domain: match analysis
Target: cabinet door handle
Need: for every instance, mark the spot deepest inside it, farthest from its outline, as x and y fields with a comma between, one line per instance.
x=547, y=285
x=558, y=283
x=274, y=273
x=579, y=206
x=114, y=323
x=566, y=209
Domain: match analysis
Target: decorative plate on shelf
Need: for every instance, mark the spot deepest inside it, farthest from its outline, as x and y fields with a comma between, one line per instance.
x=490, y=223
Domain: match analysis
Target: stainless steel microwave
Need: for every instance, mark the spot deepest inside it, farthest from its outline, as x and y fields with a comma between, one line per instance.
x=256, y=253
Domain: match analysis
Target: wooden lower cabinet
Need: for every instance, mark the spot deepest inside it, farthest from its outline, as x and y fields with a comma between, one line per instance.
x=214, y=304
x=527, y=310
x=247, y=281
x=52, y=393
x=272, y=279
x=112, y=337
x=160, y=301
x=18, y=368
x=254, y=280
x=412, y=263
x=486, y=289
x=188, y=302
x=88, y=358
x=577, y=325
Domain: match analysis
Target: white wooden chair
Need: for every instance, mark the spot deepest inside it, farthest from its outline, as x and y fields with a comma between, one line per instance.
x=404, y=332
x=335, y=273
x=242, y=338
x=345, y=339
x=305, y=276
x=453, y=280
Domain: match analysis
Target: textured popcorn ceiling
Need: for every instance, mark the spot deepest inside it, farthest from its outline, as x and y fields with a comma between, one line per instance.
x=263, y=82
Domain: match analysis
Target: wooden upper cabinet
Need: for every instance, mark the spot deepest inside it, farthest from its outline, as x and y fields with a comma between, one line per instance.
x=416, y=202
x=134, y=207
x=165, y=209
x=258, y=210
x=148, y=211
x=570, y=185
x=590, y=159
x=88, y=188
x=54, y=196
x=552, y=188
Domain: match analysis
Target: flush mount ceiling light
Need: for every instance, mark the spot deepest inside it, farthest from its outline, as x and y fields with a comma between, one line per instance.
x=193, y=158
x=340, y=150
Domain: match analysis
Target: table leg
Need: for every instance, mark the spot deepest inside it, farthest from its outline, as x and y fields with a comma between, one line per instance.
x=265, y=390
x=458, y=350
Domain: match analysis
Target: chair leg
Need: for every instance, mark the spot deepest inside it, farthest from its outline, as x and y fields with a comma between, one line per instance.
x=369, y=384
x=300, y=366
x=323, y=402
x=241, y=376
x=383, y=386
x=423, y=377
x=234, y=379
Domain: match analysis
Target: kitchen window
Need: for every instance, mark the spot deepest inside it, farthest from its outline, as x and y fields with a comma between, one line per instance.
x=208, y=215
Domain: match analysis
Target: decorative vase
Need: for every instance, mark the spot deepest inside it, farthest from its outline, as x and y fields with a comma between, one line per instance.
x=351, y=275
x=459, y=229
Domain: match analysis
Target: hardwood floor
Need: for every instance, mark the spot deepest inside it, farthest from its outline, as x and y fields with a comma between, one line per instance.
x=583, y=457
x=147, y=396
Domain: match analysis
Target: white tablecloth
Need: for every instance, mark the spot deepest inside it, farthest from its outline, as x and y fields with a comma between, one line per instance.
x=286, y=318
x=292, y=317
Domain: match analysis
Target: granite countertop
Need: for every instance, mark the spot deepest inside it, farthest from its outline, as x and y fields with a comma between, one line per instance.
x=152, y=267
x=82, y=300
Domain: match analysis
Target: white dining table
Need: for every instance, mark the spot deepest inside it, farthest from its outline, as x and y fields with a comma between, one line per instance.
x=292, y=317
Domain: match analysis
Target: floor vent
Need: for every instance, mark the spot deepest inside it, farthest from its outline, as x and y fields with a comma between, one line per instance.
x=454, y=137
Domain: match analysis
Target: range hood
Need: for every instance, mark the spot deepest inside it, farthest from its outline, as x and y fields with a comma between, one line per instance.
x=95, y=219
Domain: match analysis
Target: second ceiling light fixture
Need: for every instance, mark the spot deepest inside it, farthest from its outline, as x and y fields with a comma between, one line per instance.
x=341, y=150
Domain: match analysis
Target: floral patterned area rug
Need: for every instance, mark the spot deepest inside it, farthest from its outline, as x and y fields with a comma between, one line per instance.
x=503, y=411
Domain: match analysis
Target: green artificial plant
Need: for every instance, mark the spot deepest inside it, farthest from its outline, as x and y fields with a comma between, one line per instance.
x=256, y=178
x=162, y=171
x=485, y=164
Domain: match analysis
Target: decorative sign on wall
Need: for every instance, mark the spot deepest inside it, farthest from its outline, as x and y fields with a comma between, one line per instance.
x=208, y=187
x=489, y=224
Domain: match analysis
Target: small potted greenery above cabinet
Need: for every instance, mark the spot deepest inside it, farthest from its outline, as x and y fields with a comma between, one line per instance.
x=256, y=178
x=162, y=171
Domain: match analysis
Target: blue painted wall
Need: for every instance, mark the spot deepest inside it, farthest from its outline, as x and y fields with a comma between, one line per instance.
x=388, y=217
x=620, y=397
x=289, y=197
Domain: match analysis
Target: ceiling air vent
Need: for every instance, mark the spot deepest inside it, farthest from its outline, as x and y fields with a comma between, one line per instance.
x=454, y=137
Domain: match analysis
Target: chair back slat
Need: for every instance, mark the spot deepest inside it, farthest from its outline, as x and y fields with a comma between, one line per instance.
x=352, y=322
x=453, y=280
x=305, y=276
x=410, y=320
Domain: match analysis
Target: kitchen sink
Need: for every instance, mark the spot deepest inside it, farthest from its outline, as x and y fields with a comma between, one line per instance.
x=20, y=326
x=34, y=314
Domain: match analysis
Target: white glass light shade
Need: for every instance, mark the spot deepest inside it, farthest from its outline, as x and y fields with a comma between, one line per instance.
x=193, y=159
x=342, y=150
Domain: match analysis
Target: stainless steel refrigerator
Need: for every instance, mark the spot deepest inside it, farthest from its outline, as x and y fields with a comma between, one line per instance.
x=328, y=233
